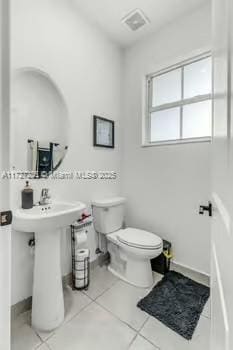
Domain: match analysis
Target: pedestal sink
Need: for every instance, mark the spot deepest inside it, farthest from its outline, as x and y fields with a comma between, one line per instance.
x=47, y=222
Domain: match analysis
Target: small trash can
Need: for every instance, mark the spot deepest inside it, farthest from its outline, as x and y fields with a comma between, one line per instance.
x=161, y=264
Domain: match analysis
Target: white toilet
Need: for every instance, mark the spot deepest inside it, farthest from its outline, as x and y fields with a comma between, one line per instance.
x=130, y=249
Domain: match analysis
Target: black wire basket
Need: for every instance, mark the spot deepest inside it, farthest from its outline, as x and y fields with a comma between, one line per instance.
x=79, y=283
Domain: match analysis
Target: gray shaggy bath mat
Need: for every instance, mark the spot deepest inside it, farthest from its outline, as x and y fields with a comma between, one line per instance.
x=176, y=301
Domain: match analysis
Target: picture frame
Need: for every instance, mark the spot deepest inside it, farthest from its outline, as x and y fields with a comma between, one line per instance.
x=103, y=132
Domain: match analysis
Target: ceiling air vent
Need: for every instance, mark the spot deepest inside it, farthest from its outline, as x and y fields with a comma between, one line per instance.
x=135, y=19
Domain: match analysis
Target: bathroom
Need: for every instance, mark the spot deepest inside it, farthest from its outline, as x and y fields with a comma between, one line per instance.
x=76, y=66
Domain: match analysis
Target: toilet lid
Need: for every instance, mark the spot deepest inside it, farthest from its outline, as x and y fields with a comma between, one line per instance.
x=139, y=238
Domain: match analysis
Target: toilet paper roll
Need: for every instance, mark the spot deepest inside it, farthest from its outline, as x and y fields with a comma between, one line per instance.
x=80, y=238
x=81, y=268
x=81, y=283
x=81, y=254
x=80, y=259
x=81, y=274
x=81, y=265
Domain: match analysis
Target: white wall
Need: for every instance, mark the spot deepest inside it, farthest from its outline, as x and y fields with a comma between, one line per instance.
x=165, y=185
x=51, y=36
x=5, y=232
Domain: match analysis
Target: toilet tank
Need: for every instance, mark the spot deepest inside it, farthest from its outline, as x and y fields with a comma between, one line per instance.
x=108, y=214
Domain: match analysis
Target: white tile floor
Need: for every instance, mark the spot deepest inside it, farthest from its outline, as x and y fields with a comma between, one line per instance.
x=106, y=317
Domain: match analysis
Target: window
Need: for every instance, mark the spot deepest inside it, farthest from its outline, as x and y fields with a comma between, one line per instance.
x=179, y=103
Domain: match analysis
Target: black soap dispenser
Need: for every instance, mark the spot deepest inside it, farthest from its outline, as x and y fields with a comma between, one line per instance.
x=27, y=197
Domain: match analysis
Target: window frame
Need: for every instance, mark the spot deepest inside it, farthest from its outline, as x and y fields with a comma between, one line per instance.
x=181, y=103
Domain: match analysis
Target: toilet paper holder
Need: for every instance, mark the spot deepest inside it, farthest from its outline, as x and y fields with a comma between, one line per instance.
x=80, y=266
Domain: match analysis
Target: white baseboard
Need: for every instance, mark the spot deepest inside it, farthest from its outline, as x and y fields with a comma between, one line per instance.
x=174, y=262
x=192, y=273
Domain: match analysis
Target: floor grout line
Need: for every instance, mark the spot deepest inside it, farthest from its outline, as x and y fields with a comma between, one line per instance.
x=142, y=336
x=48, y=346
x=102, y=293
x=43, y=340
x=132, y=341
x=38, y=346
x=149, y=341
x=68, y=321
x=115, y=316
x=127, y=324
x=64, y=322
x=111, y=313
x=91, y=301
x=139, y=333
x=84, y=307
x=44, y=343
x=144, y=322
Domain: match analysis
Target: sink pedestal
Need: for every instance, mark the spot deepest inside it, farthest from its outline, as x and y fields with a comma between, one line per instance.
x=48, y=300
x=48, y=224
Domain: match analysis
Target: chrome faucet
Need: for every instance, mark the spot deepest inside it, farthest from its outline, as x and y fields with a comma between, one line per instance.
x=44, y=197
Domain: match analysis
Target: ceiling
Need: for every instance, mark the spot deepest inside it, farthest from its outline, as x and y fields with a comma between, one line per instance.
x=107, y=14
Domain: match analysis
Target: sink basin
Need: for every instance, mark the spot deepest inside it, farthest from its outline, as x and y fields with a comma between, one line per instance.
x=46, y=217
x=47, y=223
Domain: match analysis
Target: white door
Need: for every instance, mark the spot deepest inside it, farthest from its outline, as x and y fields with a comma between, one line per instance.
x=222, y=195
x=5, y=231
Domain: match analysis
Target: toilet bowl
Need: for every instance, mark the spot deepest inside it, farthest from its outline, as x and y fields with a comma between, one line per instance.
x=137, y=248
x=130, y=249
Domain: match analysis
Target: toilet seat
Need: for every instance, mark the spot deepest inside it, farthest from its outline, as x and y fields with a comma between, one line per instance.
x=139, y=239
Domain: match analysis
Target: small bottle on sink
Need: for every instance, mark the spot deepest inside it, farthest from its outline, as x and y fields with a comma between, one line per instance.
x=27, y=197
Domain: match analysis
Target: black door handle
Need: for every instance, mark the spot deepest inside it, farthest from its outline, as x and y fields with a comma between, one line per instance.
x=208, y=208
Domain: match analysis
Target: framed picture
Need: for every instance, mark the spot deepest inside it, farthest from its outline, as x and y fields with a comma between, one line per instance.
x=103, y=130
